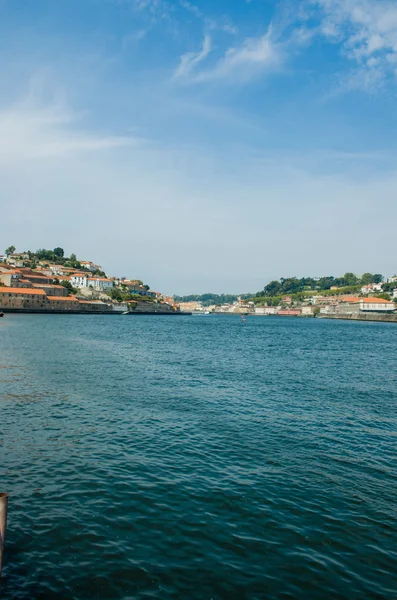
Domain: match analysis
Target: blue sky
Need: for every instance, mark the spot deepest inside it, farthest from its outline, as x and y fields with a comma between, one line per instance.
x=201, y=145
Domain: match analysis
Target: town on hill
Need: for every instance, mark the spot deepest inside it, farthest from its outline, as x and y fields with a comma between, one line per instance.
x=49, y=281
x=334, y=297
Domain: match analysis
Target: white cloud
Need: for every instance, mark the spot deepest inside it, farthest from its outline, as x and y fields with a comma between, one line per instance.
x=367, y=30
x=30, y=133
x=252, y=57
x=190, y=60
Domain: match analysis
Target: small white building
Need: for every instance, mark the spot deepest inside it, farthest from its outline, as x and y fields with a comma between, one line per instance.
x=101, y=284
x=266, y=310
x=371, y=287
x=78, y=280
x=3, y=257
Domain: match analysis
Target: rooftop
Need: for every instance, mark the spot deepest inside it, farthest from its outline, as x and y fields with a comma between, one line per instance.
x=22, y=291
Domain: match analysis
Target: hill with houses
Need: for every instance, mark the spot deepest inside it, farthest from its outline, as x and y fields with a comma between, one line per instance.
x=49, y=281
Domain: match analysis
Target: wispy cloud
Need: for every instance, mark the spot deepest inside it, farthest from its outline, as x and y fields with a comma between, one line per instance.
x=367, y=32
x=30, y=133
x=190, y=60
x=238, y=63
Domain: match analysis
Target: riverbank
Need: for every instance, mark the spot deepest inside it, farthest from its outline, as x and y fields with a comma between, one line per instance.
x=361, y=317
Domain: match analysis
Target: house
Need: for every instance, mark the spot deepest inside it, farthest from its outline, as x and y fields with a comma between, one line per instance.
x=376, y=305
x=17, y=260
x=307, y=311
x=78, y=280
x=289, y=312
x=266, y=310
x=3, y=258
x=371, y=288
x=86, y=264
x=287, y=300
x=10, y=277
x=100, y=283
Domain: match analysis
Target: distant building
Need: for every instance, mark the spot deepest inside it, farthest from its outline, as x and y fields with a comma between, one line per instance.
x=3, y=258
x=100, y=284
x=78, y=280
x=10, y=277
x=376, y=305
x=289, y=312
x=371, y=288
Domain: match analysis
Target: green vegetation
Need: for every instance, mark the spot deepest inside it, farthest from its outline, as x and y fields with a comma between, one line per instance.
x=67, y=285
x=10, y=250
x=208, y=299
x=292, y=285
x=301, y=296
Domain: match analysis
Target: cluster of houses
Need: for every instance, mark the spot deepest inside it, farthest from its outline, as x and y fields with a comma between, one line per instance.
x=332, y=305
x=40, y=288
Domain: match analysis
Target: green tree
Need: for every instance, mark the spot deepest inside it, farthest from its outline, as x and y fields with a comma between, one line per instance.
x=66, y=284
x=58, y=252
x=350, y=279
x=367, y=278
x=10, y=250
x=378, y=278
x=316, y=311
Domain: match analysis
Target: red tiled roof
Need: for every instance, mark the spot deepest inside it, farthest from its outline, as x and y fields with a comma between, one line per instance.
x=376, y=301
x=32, y=292
x=63, y=298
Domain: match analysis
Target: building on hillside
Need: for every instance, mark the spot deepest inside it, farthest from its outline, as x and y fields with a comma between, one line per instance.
x=37, y=278
x=86, y=264
x=395, y=293
x=392, y=279
x=287, y=300
x=376, y=305
x=307, y=311
x=21, y=298
x=17, y=260
x=3, y=258
x=371, y=288
x=51, y=290
x=101, y=284
x=78, y=280
x=10, y=277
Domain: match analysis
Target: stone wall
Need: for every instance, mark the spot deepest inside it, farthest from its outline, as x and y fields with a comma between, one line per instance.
x=387, y=318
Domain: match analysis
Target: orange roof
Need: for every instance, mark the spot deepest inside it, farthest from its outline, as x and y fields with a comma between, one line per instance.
x=376, y=300
x=65, y=298
x=90, y=302
x=11, y=290
x=39, y=276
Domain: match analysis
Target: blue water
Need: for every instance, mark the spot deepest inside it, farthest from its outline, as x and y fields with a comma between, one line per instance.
x=198, y=457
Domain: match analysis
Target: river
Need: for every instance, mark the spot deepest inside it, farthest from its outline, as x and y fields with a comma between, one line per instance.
x=198, y=457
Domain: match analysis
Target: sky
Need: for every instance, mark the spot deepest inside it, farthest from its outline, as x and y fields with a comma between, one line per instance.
x=201, y=145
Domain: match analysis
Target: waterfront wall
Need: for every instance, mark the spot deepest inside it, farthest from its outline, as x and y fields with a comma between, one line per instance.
x=362, y=317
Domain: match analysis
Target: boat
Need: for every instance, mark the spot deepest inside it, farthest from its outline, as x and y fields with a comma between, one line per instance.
x=1, y=313
x=243, y=319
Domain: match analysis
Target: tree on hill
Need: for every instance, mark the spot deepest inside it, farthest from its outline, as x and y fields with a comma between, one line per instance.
x=58, y=252
x=10, y=250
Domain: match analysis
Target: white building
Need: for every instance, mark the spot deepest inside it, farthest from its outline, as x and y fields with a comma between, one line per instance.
x=376, y=305
x=78, y=280
x=3, y=257
x=371, y=287
x=100, y=284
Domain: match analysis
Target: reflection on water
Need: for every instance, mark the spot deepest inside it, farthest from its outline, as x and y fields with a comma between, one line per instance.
x=198, y=458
